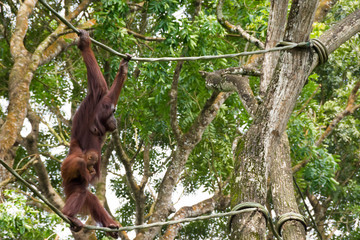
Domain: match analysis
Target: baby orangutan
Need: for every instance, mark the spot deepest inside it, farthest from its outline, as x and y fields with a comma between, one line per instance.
x=78, y=172
x=91, y=159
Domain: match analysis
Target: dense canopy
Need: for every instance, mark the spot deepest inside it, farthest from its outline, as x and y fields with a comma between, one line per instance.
x=193, y=137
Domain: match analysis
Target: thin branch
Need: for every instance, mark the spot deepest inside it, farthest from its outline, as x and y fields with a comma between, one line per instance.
x=349, y=109
x=217, y=202
x=126, y=161
x=38, y=194
x=47, y=154
x=173, y=102
x=19, y=171
x=147, y=172
x=208, y=113
x=140, y=36
x=308, y=100
x=137, y=151
x=236, y=29
x=60, y=139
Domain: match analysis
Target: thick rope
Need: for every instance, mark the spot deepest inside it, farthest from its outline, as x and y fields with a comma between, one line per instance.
x=260, y=208
x=307, y=209
x=36, y=192
x=319, y=47
x=321, y=50
x=128, y=228
x=289, y=217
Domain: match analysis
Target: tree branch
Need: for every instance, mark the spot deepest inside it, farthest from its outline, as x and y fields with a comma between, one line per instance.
x=147, y=172
x=275, y=34
x=217, y=202
x=19, y=171
x=173, y=101
x=52, y=45
x=349, y=109
x=44, y=184
x=323, y=9
x=137, y=190
x=163, y=205
x=229, y=83
x=19, y=82
x=143, y=37
x=235, y=29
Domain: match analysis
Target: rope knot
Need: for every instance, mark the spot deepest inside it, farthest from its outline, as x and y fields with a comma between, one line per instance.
x=320, y=49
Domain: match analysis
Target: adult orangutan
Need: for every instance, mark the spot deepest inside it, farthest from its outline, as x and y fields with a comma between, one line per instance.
x=92, y=120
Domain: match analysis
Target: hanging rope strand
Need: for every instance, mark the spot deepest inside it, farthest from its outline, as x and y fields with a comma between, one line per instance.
x=36, y=192
x=284, y=46
x=128, y=228
x=250, y=208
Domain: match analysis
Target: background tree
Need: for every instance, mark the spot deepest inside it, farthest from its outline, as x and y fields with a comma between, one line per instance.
x=182, y=130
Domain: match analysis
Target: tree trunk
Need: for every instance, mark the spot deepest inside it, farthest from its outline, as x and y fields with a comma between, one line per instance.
x=262, y=139
x=283, y=194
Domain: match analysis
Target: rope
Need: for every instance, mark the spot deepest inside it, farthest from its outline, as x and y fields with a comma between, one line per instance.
x=319, y=47
x=159, y=224
x=289, y=217
x=52, y=207
x=260, y=208
x=241, y=208
x=128, y=228
x=307, y=209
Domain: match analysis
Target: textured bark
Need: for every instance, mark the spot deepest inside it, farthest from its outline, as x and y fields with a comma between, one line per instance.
x=19, y=81
x=283, y=194
x=275, y=34
x=281, y=180
x=263, y=137
x=339, y=33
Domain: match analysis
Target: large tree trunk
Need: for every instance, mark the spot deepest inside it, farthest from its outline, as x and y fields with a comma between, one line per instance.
x=263, y=137
x=19, y=81
x=261, y=146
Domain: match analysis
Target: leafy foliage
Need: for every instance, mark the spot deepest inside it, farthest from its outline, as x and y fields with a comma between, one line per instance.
x=18, y=220
x=143, y=112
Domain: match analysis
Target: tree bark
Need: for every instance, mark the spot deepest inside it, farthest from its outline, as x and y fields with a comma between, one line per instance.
x=282, y=190
x=263, y=137
x=281, y=181
x=19, y=81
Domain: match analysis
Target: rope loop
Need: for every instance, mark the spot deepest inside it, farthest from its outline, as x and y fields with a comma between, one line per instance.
x=290, y=216
x=320, y=49
x=318, y=46
x=259, y=208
